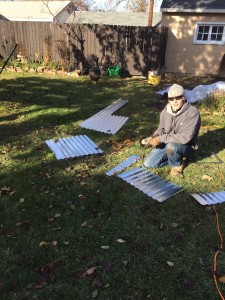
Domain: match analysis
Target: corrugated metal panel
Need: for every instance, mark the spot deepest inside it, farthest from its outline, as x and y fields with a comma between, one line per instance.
x=210, y=198
x=74, y=146
x=104, y=121
x=122, y=166
x=115, y=106
x=151, y=184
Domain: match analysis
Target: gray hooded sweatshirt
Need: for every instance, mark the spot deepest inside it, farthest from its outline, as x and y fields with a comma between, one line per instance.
x=180, y=127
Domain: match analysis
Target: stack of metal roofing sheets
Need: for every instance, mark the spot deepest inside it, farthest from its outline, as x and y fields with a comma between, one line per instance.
x=150, y=184
x=210, y=198
x=122, y=166
x=74, y=146
x=104, y=121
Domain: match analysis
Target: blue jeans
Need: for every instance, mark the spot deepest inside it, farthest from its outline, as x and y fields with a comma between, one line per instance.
x=167, y=154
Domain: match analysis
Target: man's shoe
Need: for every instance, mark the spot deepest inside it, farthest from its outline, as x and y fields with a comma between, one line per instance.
x=177, y=171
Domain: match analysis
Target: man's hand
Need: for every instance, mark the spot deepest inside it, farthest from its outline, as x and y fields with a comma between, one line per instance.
x=154, y=142
x=145, y=142
x=151, y=141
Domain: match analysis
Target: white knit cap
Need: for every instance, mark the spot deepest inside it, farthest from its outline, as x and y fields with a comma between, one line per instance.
x=175, y=90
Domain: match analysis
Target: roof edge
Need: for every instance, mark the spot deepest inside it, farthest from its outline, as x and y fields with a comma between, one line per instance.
x=30, y=20
x=198, y=10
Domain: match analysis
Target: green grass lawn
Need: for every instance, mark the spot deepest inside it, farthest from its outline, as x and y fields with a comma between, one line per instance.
x=70, y=232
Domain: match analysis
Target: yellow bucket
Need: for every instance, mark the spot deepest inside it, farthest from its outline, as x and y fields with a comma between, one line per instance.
x=153, y=79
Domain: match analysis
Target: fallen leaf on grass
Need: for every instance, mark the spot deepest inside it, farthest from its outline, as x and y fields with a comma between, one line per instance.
x=91, y=270
x=107, y=265
x=95, y=294
x=105, y=247
x=56, y=228
x=43, y=280
x=47, y=175
x=11, y=193
x=85, y=272
x=57, y=215
x=8, y=232
x=125, y=262
x=46, y=274
x=43, y=243
x=207, y=177
x=25, y=224
x=203, y=262
x=161, y=226
x=169, y=263
x=97, y=281
x=188, y=282
x=120, y=241
x=221, y=279
x=84, y=224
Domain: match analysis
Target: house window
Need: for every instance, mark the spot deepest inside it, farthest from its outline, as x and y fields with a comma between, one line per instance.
x=209, y=33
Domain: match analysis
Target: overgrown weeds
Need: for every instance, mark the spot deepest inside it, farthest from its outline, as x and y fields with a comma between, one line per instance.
x=215, y=102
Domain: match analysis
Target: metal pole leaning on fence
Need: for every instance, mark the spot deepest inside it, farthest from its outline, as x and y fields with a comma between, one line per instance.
x=5, y=63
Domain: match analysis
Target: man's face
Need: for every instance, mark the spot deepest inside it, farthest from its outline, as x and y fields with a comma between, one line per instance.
x=176, y=102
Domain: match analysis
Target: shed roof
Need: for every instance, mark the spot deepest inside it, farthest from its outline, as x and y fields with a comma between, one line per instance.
x=31, y=10
x=199, y=6
x=114, y=18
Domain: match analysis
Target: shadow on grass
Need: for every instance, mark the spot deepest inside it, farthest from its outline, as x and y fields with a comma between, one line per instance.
x=210, y=142
x=51, y=108
x=41, y=102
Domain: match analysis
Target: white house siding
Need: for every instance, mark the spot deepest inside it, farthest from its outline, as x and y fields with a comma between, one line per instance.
x=182, y=55
x=36, y=11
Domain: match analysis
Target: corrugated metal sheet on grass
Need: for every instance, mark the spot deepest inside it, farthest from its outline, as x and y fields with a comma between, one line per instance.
x=122, y=166
x=74, y=146
x=210, y=198
x=151, y=184
x=104, y=121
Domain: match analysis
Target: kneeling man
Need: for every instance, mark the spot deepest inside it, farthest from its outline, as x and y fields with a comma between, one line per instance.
x=177, y=135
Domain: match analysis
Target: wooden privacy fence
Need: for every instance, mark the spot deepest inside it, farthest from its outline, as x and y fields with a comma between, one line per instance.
x=138, y=49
